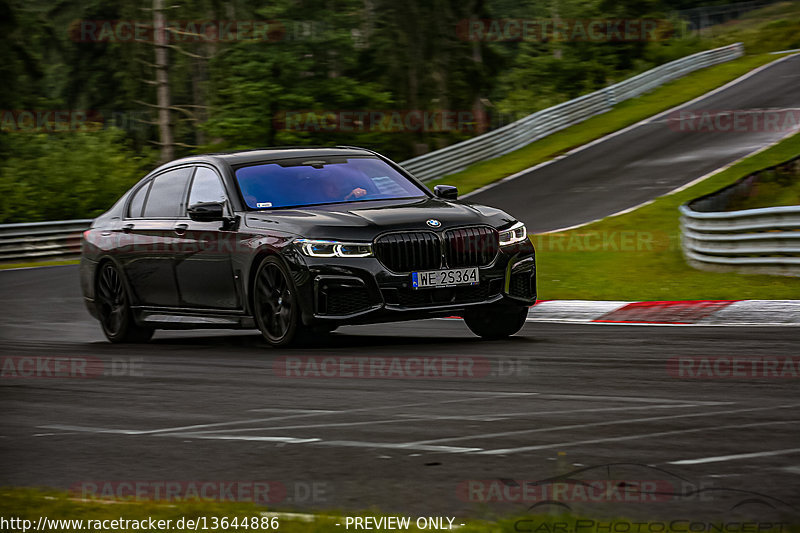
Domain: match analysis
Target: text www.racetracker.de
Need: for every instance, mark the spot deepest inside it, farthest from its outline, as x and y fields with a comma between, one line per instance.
x=199, y=523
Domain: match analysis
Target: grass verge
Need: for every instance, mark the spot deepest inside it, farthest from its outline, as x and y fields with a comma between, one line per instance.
x=33, y=264
x=777, y=187
x=31, y=504
x=622, y=115
x=637, y=255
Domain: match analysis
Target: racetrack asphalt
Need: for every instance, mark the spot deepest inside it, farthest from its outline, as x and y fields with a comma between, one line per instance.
x=213, y=405
x=649, y=160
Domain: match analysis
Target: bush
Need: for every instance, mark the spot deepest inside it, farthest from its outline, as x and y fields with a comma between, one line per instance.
x=65, y=175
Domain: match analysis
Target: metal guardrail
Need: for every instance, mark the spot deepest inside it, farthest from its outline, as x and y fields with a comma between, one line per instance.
x=547, y=121
x=765, y=240
x=35, y=241
x=61, y=239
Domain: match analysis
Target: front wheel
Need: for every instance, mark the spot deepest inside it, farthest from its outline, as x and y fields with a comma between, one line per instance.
x=275, y=303
x=114, y=310
x=496, y=322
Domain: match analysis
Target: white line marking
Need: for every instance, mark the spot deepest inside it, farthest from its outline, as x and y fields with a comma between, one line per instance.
x=407, y=417
x=622, y=399
x=601, y=424
x=286, y=410
x=287, y=440
x=305, y=517
x=550, y=396
x=628, y=128
x=517, y=174
x=460, y=418
x=736, y=457
x=89, y=429
x=681, y=187
x=630, y=437
x=491, y=417
x=618, y=213
x=85, y=429
x=478, y=393
x=729, y=165
x=307, y=426
x=398, y=445
x=341, y=443
x=300, y=517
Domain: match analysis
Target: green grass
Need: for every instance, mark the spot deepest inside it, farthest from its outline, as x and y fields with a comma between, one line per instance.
x=772, y=28
x=30, y=504
x=34, y=264
x=776, y=187
x=647, y=264
x=623, y=115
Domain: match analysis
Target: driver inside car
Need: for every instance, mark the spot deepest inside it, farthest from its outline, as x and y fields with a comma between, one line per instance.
x=334, y=191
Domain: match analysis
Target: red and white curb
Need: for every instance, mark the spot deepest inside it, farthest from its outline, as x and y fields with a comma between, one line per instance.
x=670, y=313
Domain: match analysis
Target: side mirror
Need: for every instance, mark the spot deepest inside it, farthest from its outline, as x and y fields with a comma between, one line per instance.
x=207, y=211
x=446, y=192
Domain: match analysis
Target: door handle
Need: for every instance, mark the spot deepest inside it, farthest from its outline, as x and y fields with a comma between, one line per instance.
x=180, y=229
x=127, y=228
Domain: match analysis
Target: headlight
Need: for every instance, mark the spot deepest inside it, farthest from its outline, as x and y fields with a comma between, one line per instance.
x=516, y=233
x=313, y=248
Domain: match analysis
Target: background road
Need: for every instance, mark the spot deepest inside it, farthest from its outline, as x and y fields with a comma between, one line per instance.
x=209, y=406
x=646, y=161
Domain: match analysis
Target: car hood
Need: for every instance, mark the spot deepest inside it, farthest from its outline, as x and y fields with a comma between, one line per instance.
x=365, y=220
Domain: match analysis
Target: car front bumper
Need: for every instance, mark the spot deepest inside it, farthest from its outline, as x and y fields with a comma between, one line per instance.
x=363, y=290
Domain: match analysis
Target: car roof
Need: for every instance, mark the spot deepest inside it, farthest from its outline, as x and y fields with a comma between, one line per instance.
x=265, y=154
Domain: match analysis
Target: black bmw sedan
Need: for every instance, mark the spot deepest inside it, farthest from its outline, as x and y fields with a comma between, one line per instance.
x=298, y=241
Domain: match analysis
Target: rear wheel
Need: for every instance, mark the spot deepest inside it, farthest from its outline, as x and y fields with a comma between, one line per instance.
x=496, y=322
x=275, y=303
x=113, y=308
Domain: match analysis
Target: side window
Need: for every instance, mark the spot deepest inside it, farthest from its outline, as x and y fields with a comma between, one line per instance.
x=166, y=194
x=137, y=202
x=206, y=187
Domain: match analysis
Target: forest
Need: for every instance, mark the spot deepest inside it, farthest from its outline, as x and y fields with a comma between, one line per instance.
x=96, y=93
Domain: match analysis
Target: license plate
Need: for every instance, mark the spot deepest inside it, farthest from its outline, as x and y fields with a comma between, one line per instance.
x=445, y=278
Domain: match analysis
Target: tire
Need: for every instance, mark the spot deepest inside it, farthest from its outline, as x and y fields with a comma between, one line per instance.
x=496, y=322
x=275, y=305
x=114, y=310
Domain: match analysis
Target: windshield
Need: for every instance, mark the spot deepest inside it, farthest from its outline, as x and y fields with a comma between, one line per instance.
x=322, y=180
